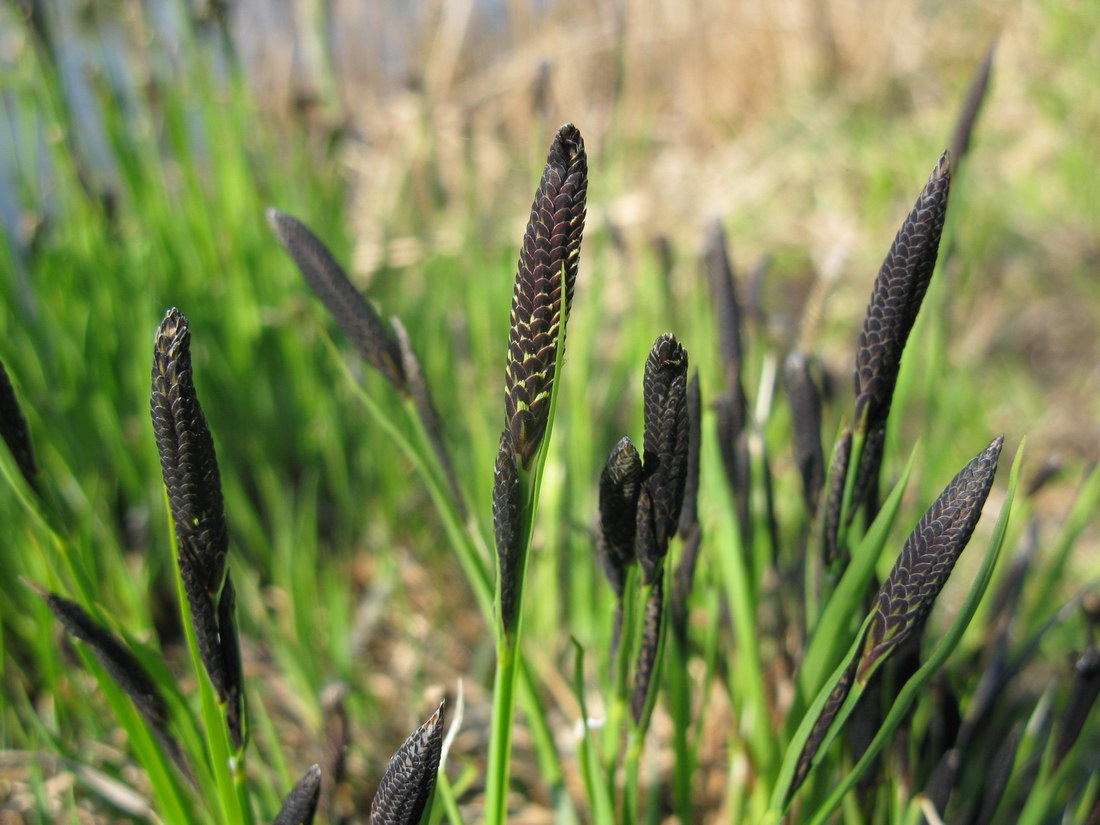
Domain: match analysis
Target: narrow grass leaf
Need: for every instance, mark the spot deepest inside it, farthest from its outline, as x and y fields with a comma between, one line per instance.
x=13, y=428
x=971, y=107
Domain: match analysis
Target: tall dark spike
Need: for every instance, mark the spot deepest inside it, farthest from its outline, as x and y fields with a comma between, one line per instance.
x=689, y=529
x=300, y=804
x=647, y=652
x=906, y=597
x=190, y=469
x=805, y=403
x=407, y=785
x=620, y=483
x=666, y=434
x=971, y=107
x=547, y=272
x=330, y=283
x=508, y=529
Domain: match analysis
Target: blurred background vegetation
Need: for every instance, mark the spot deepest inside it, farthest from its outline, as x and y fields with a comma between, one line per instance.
x=141, y=141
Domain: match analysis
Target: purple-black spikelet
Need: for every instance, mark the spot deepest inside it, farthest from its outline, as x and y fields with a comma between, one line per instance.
x=543, y=294
x=508, y=529
x=927, y=558
x=300, y=804
x=117, y=659
x=620, y=483
x=895, y=301
x=13, y=428
x=805, y=401
x=647, y=651
x=193, y=484
x=407, y=785
x=331, y=284
x=665, y=456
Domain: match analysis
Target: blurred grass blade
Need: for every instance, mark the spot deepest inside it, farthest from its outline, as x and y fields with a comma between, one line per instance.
x=13, y=428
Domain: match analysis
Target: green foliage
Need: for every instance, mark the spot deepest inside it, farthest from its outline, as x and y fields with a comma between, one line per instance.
x=360, y=507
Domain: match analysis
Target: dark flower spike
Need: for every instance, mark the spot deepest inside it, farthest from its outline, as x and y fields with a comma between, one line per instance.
x=665, y=456
x=651, y=553
x=231, y=662
x=190, y=469
x=835, y=501
x=896, y=297
x=13, y=428
x=300, y=804
x=805, y=403
x=723, y=292
x=689, y=530
x=122, y=666
x=407, y=785
x=620, y=483
x=417, y=387
x=647, y=652
x=117, y=659
x=547, y=271
x=906, y=597
x=895, y=300
x=821, y=727
x=508, y=529
x=351, y=310
x=1086, y=688
x=971, y=108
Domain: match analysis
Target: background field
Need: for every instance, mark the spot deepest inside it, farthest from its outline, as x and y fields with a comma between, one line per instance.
x=140, y=144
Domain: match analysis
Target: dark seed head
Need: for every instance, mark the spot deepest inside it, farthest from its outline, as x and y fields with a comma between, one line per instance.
x=331, y=284
x=117, y=659
x=906, y=597
x=407, y=785
x=300, y=804
x=619, y=485
x=546, y=273
x=508, y=529
x=667, y=434
x=896, y=297
x=647, y=652
x=805, y=403
x=187, y=458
